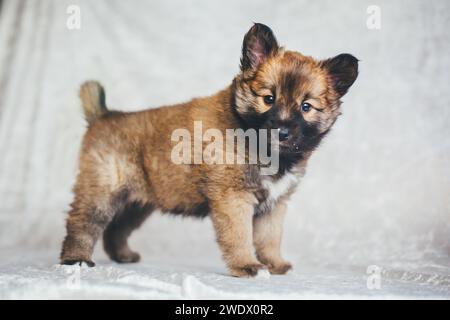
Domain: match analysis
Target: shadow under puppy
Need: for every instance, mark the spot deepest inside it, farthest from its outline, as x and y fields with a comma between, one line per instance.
x=126, y=171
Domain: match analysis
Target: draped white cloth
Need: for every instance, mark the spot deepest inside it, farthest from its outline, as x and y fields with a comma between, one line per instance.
x=376, y=192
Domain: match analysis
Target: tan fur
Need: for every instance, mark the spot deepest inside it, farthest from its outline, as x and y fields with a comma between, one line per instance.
x=126, y=170
x=232, y=218
x=267, y=231
x=92, y=98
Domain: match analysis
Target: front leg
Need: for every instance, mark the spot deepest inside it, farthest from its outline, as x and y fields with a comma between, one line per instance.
x=267, y=232
x=232, y=217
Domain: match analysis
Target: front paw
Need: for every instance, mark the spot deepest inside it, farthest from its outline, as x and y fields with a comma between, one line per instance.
x=280, y=267
x=247, y=270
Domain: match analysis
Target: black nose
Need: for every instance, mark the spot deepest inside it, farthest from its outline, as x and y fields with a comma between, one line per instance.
x=283, y=134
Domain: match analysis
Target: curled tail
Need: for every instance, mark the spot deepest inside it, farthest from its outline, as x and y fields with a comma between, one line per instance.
x=92, y=97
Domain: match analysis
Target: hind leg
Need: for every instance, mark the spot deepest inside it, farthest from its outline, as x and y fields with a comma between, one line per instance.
x=92, y=210
x=115, y=237
x=84, y=225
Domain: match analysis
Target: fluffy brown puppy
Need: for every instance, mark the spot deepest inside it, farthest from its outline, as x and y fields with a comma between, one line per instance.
x=127, y=168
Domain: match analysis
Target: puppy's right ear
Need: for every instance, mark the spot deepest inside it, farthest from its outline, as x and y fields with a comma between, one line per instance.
x=259, y=44
x=343, y=71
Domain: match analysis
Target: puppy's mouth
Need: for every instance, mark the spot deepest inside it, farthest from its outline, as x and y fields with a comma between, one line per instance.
x=289, y=147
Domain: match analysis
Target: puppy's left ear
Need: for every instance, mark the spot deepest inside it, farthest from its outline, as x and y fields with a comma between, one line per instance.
x=259, y=44
x=343, y=71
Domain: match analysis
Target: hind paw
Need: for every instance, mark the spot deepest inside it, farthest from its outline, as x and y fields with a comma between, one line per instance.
x=89, y=263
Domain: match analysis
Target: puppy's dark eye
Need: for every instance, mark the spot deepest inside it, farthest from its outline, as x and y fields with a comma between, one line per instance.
x=306, y=106
x=269, y=100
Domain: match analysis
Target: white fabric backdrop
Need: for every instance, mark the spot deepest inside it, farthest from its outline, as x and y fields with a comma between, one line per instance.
x=383, y=173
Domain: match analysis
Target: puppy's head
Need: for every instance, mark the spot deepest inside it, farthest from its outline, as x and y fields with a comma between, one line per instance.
x=284, y=90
